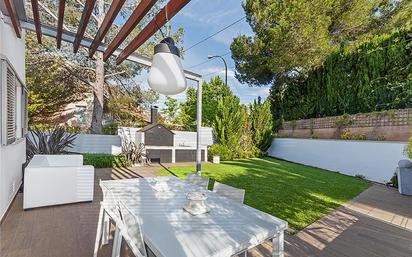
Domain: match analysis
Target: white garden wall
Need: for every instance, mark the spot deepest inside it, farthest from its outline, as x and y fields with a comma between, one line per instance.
x=375, y=160
x=88, y=143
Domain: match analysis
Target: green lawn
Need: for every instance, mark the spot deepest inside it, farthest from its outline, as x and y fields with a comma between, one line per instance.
x=296, y=193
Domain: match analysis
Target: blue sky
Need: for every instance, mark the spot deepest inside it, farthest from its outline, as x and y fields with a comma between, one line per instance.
x=201, y=18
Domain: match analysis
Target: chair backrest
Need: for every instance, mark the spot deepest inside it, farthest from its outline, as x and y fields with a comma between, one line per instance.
x=198, y=180
x=233, y=193
x=110, y=202
x=132, y=232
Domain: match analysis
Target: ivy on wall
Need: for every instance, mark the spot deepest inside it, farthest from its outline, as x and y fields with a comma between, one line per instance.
x=368, y=77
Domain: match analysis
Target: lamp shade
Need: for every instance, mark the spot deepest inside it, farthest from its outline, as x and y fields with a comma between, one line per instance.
x=166, y=75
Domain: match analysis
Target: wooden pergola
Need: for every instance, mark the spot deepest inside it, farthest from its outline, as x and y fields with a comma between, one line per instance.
x=16, y=16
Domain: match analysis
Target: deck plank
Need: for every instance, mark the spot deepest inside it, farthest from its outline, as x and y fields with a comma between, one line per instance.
x=376, y=223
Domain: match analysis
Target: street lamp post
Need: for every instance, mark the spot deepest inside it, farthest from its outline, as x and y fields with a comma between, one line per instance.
x=224, y=61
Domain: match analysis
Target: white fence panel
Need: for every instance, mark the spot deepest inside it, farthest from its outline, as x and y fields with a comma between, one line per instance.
x=187, y=138
x=375, y=160
x=88, y=143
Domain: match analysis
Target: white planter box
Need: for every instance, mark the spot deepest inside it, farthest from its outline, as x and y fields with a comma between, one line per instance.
x=57, y=179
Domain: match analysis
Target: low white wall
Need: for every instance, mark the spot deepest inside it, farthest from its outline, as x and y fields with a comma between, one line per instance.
x=376, y=161
x=88, y=143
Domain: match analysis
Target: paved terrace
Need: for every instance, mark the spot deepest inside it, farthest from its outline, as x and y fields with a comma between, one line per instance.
x=376, y=223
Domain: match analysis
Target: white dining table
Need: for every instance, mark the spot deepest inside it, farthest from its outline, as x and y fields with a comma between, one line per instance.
x=228, y=229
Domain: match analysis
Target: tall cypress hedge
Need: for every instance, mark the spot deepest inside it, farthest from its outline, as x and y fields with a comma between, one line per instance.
x=372, y=76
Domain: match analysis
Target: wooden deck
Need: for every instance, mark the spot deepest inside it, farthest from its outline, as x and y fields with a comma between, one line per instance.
x=376, y=223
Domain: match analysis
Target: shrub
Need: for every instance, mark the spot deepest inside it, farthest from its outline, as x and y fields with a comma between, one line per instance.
x=250, y=153
x=51, y=141
x=394, y=180
x=408, y=148
x=347, y=135
x=261, y=125
x=223, y=151
x=343, y=121
x=110, y=129
x=104, y=160
x=380, y=138
x=360, y=137
x=357, y=78
x=49, y=127
x=133, y=153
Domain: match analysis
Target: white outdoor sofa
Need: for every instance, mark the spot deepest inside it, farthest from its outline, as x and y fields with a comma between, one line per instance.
x=57, y=179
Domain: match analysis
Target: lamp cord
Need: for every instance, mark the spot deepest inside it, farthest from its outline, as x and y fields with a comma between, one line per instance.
x=160, y=29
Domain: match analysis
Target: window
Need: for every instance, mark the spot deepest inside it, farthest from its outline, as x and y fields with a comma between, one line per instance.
x=10, y=106
x=24, y=114
x=13, y=103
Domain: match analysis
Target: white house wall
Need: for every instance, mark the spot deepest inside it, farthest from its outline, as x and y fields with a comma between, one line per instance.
x=11, y=159
x=375, y=160
x=11, y=156
x=13, y=48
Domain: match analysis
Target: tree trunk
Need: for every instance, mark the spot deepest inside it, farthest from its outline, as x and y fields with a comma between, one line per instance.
x=98, y=88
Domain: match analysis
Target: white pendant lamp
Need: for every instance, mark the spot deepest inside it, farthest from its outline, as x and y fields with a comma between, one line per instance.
x=166, y=75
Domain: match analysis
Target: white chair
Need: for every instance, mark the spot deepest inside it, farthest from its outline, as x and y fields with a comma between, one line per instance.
x=129, y=229
x=198, y=180
x=109, y=212
x=233, y=193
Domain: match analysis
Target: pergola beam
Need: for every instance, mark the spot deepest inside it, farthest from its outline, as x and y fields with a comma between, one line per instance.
x=13, y=17
x=36, y=18
x=107, y=22
x=141, y=10
x=84, y=20
x=86, y=42
x=60, y=19
x=170, y=10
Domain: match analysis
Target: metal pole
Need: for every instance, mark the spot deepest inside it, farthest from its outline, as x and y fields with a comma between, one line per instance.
x=199, y=127
x=224, y=61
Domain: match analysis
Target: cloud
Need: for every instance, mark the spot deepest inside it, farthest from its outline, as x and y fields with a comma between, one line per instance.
x=212, y=16
x=217, y=12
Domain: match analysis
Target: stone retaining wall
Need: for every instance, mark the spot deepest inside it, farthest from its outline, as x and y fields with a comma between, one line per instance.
x=392, y=125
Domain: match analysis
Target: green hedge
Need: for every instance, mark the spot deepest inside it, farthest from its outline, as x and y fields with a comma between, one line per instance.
x=373, y=76
x=105, y=160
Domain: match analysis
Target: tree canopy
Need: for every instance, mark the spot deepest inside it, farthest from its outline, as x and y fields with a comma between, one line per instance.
x=373, y=76
x=212, y=91
x=62, y=69
x=292, y=36
x=240, y=131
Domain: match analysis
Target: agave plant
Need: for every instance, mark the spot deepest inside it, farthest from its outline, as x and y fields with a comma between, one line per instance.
x=135, y=153
x=52, y=141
